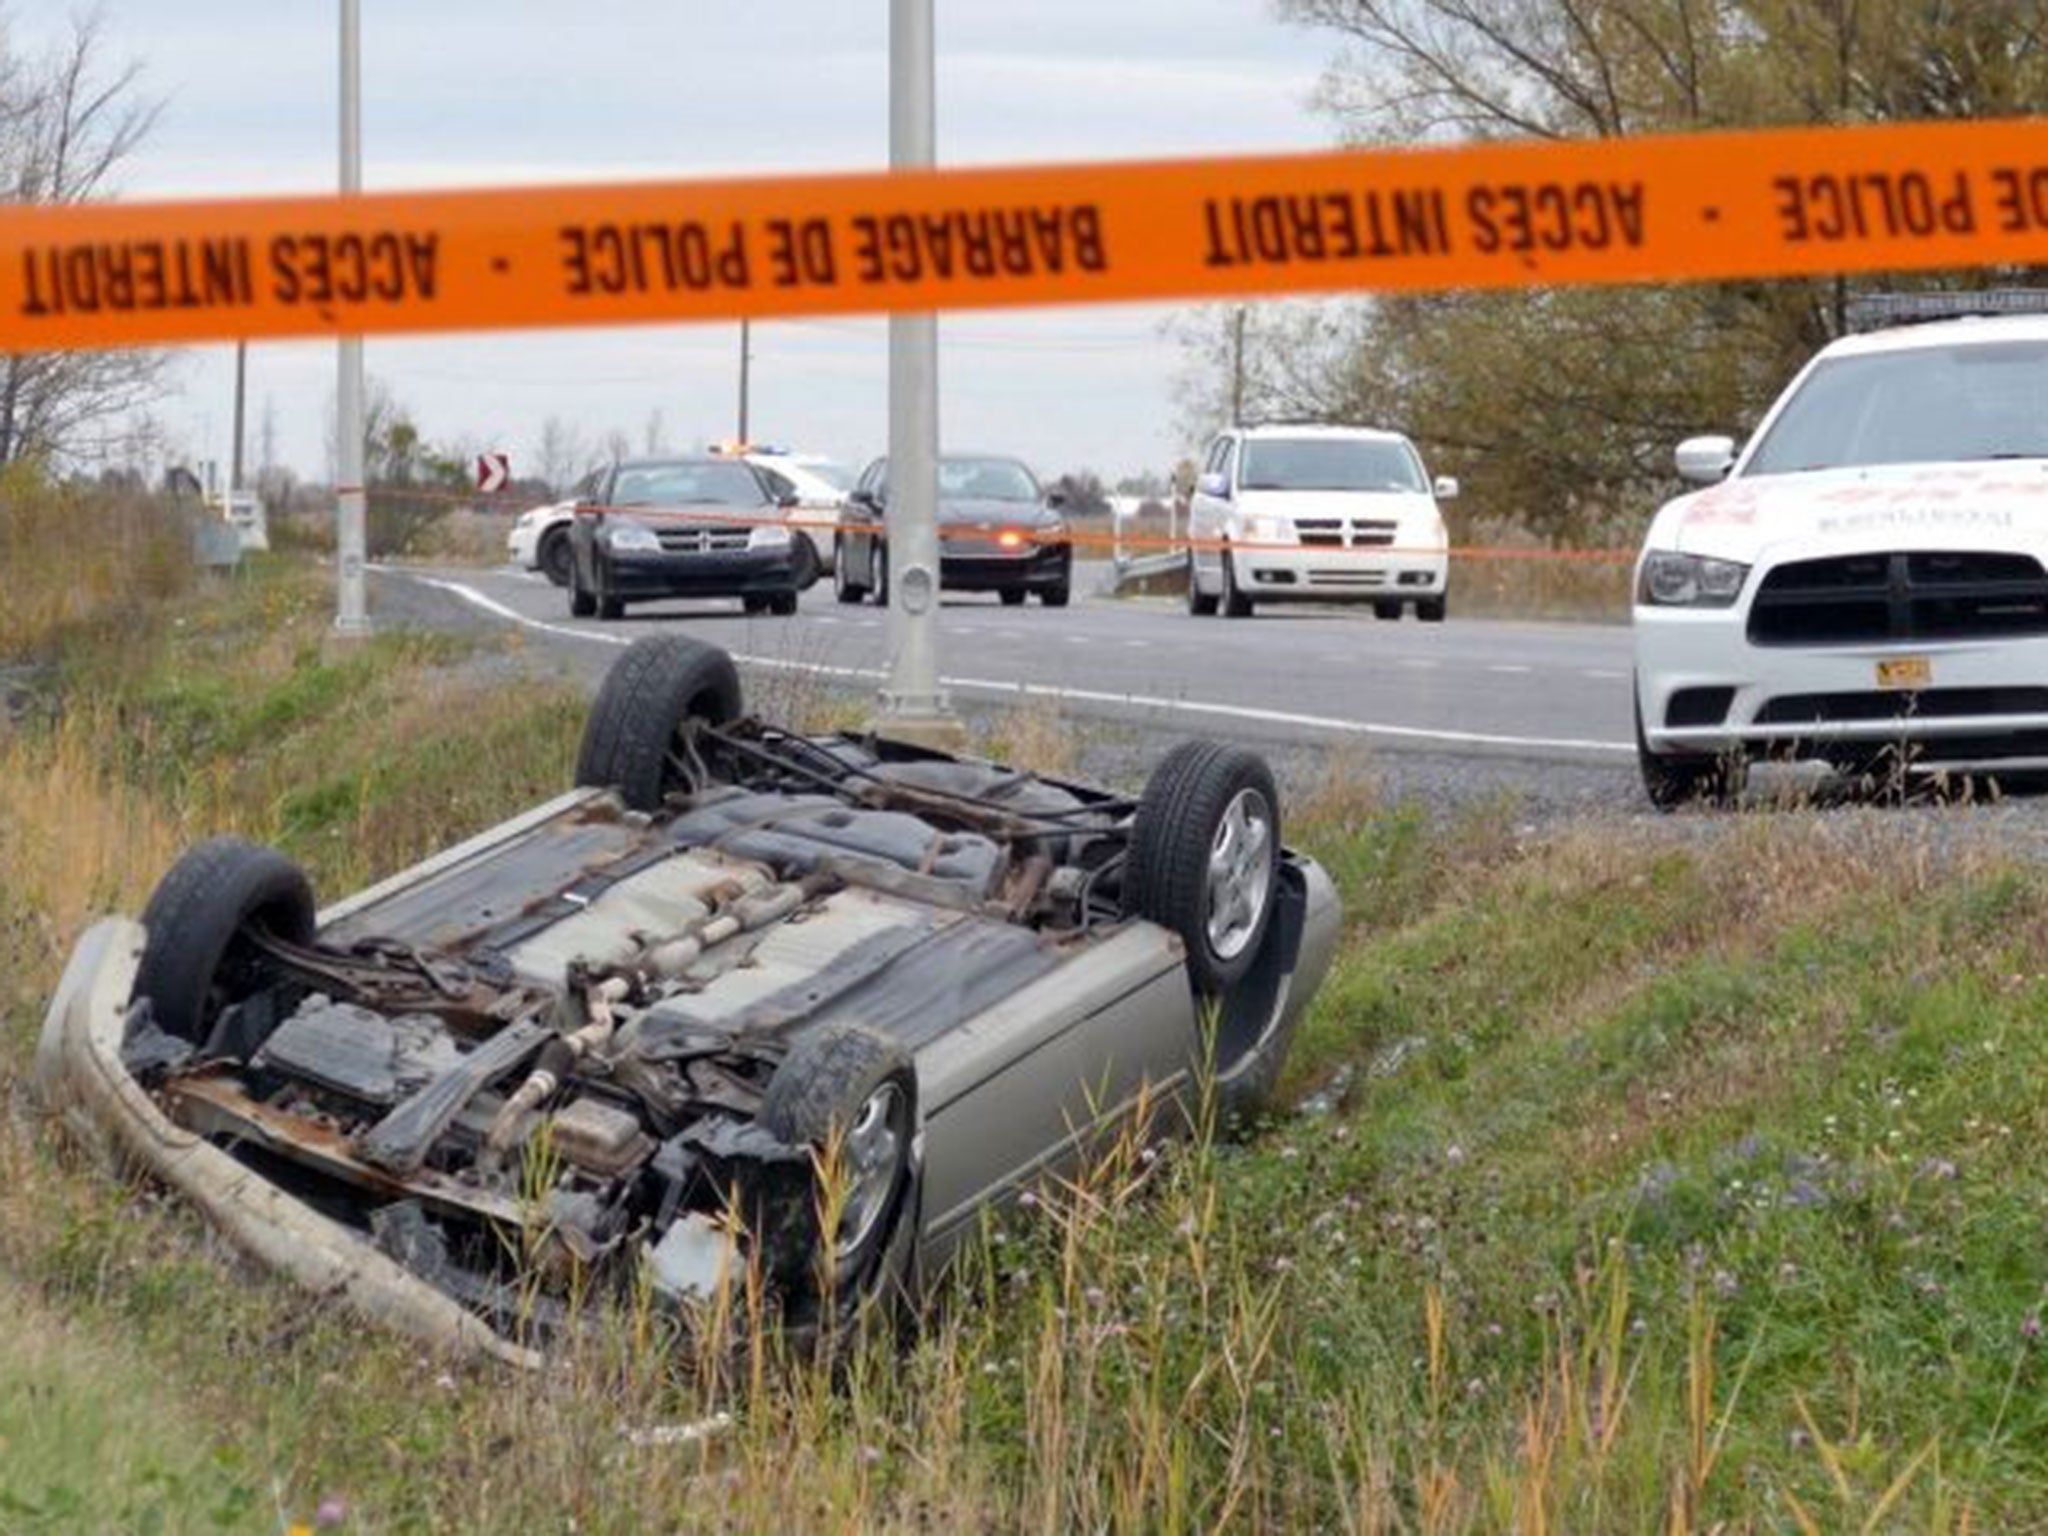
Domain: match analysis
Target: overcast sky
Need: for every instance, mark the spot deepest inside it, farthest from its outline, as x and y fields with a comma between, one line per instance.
x=460, y=92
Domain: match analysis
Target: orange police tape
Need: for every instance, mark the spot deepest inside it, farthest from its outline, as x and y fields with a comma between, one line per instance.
x=1530, y=214
x=1079, y=538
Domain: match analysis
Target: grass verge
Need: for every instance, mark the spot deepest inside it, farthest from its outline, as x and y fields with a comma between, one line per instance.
x=1649, y=1180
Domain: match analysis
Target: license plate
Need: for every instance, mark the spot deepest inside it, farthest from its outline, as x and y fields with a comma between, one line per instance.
x=1905, y=672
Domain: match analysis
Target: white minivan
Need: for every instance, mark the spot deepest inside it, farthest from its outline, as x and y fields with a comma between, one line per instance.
x=1317, y=513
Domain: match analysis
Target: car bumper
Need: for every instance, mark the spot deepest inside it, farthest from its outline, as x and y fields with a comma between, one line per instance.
x=522, y=547
x=1703, y=687
x=744, y=573
x=1330, y=574
x=1033, y=571
x=79, y=1076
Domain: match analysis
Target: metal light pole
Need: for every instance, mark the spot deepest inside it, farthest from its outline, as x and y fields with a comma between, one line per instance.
x=351, y=615
x=913, y=708
x=746, y=357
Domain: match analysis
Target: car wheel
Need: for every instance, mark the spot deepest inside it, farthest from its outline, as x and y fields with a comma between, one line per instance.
x=581, y=603
x=844, y=587
x=652, y=692
x=781, y=604
x=881, y=573
x=1056, y=597
x=1205, y=856
x=754, y=604
x=1386, y=610
x=849, y=1092
x=200, y=920
x=1431, y=610
x=1012, y=598
x=1235, y=604
x=1200, y=604
x=556, y=556
x=1674, y=780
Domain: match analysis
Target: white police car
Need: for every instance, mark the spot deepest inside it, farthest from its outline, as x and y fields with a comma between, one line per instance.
x=1864, y=581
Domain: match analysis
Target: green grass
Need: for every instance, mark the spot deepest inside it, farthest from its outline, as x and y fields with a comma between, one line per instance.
x=1672, y=1179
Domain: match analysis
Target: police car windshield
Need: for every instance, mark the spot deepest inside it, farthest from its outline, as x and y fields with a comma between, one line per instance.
x=1329, y=464
x=1921, y=405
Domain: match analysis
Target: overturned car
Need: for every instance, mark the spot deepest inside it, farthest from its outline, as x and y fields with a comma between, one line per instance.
x=746, y=1001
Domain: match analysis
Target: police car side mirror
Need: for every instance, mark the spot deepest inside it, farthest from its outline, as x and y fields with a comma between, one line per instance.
x=1446, y=488
x=1704, y=460
x=1214, y=485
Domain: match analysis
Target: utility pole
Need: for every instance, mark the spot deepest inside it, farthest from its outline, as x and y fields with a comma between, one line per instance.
x=913, y=708
x=745, y=357
x=1237, y=367
x=351, y=615
x=241, y=389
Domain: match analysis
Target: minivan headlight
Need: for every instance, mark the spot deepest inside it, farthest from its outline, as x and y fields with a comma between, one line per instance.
x=1673, y=580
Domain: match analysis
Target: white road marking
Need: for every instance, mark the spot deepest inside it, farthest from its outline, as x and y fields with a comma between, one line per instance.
x=1603, y=675
x=1005, y=687
x=1511, y=669
x=1415, y=662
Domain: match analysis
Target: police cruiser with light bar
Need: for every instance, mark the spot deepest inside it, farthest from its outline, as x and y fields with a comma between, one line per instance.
x=1863, y=582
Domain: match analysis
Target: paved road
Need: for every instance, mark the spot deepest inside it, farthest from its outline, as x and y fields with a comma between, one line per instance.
x=1541, y=692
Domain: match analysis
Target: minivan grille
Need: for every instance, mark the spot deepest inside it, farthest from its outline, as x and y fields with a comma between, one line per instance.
x=1921, y=595
x=1337, y=532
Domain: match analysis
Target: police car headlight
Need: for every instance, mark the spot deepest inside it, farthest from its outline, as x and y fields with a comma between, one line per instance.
x=1673, y=580
x=633, y=539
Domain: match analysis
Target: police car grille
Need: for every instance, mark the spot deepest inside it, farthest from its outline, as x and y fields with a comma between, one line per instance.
x=1906, y=596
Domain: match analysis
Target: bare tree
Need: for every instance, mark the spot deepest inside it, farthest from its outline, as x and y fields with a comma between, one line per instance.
x=67, y=124
x=561, y=456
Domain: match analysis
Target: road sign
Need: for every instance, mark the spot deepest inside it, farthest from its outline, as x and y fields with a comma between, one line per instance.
x=492, y=471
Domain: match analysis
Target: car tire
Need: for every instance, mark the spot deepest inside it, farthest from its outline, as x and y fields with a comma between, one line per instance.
x=651, y=692
x=1012, y=597
x=555, y=556
x=881, y=575
x=1181, y=875
x=844, y=587
x=1200, y=604
x=1385, y=610
x=199, y=919
x=1235, y=604
x=849, y=1084
x=754, y=604
x=1432, y=610
x=581, y=603
x=1673, y=781
x=1056, y=597
x=781, y=604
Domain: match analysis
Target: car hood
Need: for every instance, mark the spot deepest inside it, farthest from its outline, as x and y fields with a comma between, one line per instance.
x=1392, y=506
x=2001, y=505
x=969, y=515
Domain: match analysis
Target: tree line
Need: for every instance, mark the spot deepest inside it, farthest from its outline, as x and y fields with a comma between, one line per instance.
x=1558, y=409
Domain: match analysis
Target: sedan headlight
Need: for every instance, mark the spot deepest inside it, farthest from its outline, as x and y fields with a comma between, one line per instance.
x=1266, y=528
x=633, y=538
x=1673, y=580
x=768, y=536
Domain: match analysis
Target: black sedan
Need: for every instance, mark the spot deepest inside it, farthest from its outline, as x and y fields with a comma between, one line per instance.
x=998, y=532
x=682, y=527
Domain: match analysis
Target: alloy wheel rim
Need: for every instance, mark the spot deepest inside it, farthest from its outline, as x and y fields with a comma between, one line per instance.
x=1240, y=876
x=869, y=1156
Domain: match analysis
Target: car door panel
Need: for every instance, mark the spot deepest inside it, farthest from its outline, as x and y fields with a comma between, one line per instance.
x=1024, y=1087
